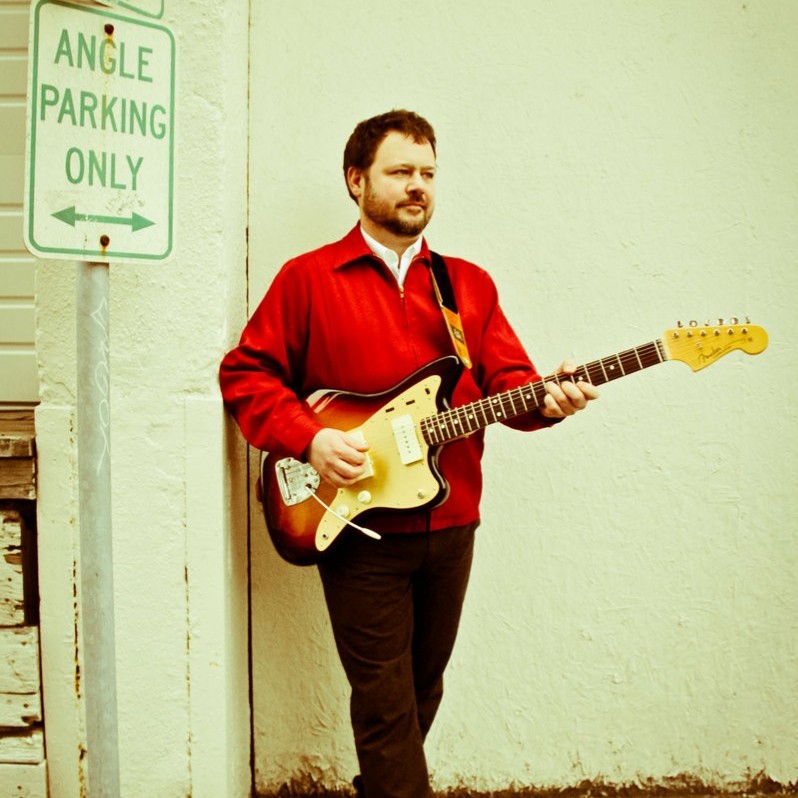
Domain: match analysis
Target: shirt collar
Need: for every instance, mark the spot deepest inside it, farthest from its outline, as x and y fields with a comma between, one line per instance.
x=353, y=247
x=389, y=257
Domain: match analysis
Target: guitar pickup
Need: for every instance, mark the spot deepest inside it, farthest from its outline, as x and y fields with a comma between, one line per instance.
x=404, y=433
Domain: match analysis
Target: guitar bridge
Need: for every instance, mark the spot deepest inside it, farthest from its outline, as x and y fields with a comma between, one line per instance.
x=297, y=481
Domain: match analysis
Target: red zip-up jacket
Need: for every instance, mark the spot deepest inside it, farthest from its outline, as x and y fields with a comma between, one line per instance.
x=337, y=318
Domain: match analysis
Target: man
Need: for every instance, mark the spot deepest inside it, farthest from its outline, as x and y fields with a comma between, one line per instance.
x=361, y=315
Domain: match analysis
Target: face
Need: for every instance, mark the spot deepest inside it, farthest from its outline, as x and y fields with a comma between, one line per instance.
x=396, y=194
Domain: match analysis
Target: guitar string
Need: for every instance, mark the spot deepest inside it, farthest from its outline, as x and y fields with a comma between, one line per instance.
x=460, y=420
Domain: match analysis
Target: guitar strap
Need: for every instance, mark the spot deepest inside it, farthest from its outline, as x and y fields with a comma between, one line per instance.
x=445, y=294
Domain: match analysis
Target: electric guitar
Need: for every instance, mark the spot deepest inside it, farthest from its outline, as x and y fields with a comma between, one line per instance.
x=407, y=426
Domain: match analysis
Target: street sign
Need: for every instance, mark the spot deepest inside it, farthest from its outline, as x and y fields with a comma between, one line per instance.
x=100, y=160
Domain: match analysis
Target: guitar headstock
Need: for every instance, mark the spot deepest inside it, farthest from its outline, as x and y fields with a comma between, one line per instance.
x=701, y=345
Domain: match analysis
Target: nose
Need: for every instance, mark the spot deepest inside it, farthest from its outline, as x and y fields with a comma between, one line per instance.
x=414, y=184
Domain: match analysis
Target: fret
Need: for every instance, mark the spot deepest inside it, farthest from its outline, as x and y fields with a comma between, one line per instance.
x=465, y=419
x=613, y=363
x=628, y=363
x=652, y=354
x=603, y=370
x=482, y=403
x=494, y=401
x=596, y=378
x=513, y=411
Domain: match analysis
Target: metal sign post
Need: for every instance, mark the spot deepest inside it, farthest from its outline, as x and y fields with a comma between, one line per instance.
x=96, y=549
x=99, y=189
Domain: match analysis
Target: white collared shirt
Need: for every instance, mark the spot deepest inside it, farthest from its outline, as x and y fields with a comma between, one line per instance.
x=391, y=259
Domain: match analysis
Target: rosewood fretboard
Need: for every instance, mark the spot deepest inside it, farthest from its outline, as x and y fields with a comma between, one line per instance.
x=465, y=419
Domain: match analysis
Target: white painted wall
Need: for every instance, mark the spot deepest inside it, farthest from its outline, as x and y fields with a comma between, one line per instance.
x=617, y=166
x=179, y=512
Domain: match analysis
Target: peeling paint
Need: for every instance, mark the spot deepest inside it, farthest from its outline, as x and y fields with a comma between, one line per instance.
x=681, y=786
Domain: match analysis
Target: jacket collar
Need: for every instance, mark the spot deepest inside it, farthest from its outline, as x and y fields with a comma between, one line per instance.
x=353, y=247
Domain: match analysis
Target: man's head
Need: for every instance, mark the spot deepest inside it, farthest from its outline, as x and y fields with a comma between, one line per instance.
x=369, y=134
x=389, y=166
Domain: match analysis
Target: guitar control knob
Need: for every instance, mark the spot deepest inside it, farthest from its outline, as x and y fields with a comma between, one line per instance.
x=343, y=510
x=364, y=497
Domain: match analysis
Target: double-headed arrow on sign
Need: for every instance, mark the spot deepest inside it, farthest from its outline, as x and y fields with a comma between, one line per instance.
x=70, y=216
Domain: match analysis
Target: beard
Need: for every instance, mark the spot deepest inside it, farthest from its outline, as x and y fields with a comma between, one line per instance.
x=389, y=216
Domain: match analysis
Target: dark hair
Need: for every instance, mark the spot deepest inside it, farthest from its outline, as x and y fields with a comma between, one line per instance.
x=368, y=135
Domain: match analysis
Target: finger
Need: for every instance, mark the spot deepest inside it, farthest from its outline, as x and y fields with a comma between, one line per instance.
x=574, y=395
x=568, y=366
x=347, y=472
x=356, y=442
x=589, y=390
x=554, y=402
x=550, y=408
x=350, y=455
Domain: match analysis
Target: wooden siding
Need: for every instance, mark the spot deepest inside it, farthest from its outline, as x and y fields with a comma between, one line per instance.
x=23, y=769
x=18, y=371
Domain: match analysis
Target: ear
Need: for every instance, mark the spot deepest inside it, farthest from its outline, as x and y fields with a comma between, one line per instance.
x=355, y=180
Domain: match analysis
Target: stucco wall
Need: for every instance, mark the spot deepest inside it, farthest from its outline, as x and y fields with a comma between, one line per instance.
x=179, y=522
x=618, y=166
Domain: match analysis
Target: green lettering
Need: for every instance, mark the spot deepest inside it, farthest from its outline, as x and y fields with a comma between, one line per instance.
x=122, y=73
x=73, y=156
x=88, y=49
x=88, y=105
x=107, y=113
x=97, y=167
x=67, y=108
x=107, y=60
x=138, y=116
x=64, y=48
x=134, y=169
x=50, y=97
x=114, y=184
x=144, y=62
x=157, y=127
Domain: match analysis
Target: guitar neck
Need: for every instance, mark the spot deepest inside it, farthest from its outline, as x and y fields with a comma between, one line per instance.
x=465, y=419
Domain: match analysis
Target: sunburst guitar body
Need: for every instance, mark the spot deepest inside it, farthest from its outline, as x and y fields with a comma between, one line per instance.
x=406, y=427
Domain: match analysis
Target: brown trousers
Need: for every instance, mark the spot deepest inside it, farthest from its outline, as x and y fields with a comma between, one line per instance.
x=395, y=608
